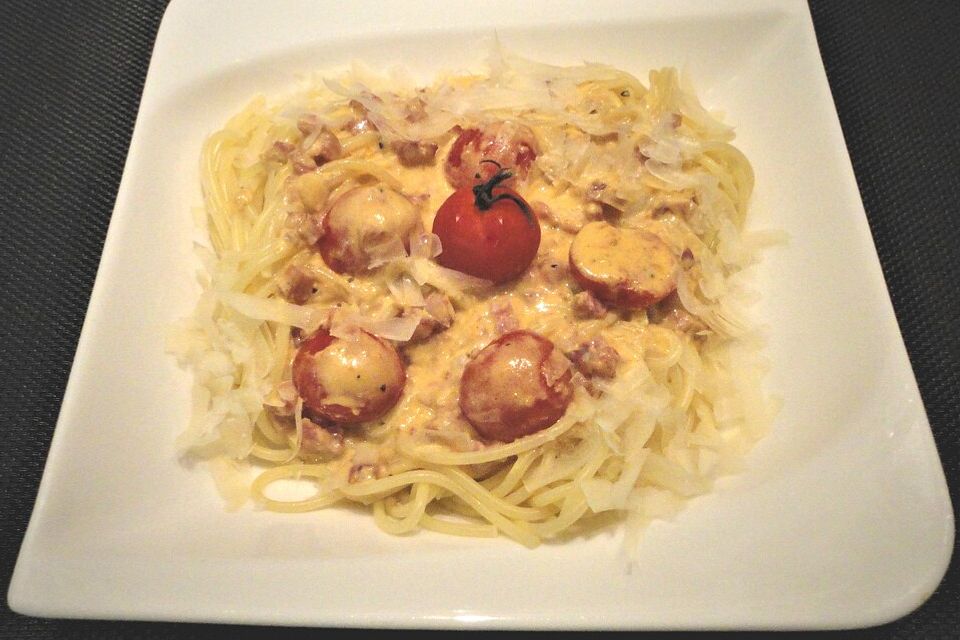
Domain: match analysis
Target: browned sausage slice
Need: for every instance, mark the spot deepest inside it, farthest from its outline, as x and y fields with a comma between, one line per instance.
x=517, y=385
x=348, y=380
x=362, y=219
x=511, y=146
x=627, y=268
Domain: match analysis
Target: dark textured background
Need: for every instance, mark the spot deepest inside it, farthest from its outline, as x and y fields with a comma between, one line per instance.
x=70, y=82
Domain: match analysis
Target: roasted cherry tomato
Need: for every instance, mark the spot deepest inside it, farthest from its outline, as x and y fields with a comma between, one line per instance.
x=517, y=385
x=487, y=231
x=352, y=379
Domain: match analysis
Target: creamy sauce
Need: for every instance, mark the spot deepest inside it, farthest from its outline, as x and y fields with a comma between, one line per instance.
x=540, y=301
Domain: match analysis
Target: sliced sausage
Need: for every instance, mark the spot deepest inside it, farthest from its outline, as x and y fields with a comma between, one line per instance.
x=517, y=385
x=512, y=146
x=627, y=268
x=348, y=380
x=362, y=219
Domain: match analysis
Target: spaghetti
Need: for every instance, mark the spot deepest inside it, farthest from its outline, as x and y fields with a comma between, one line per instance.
x=677, y=403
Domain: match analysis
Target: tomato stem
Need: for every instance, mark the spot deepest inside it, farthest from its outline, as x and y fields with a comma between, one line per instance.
x=484, y=197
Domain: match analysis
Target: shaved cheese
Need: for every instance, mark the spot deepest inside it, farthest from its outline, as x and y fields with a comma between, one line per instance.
x=453, y=283
x=406, y=292
x=399, y=329
x=274, y=310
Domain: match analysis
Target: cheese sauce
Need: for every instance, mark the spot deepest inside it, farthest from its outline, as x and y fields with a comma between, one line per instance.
x=622, y=343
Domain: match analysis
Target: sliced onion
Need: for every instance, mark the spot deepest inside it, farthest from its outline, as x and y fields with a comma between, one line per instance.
x=406, y=292
x=387, y=251
x=425, y=245
x=397, y=329
x=447, y=280
x=274, y=310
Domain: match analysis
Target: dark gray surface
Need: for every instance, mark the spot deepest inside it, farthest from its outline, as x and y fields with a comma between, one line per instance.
x=70, y=82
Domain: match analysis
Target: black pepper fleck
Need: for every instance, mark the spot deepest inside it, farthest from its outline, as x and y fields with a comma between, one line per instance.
x=383, y=387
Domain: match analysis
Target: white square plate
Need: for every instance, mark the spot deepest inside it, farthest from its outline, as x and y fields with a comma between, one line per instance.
x=841, y=519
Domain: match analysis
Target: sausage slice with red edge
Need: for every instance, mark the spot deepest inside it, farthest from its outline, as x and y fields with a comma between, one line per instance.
x=517, y=385
x=623, y=267
x=348, y=380
x=507, y=145
x=361, y=219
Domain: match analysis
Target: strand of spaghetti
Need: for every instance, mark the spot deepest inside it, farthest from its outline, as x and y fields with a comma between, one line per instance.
x=399, y=506
x=422, y=495
x=215, y=192
x=281, y=350
x=464, y=529
x=453, y=480
x=553, y=495
x=554, y=468
x=260, y=260
x=297, y=443
x=273, y=214
x=663, y=349
x=440, y=456
x=509, y=509
x=266, y=426
x=292, y=472
x=453, y=505
x=520, y=495
x=572, y=511
x=269, y=454
x=362, y=141
x=271, y=285
x=515, y=473
x=563, y=491
x=337, y=170
x=518, y=530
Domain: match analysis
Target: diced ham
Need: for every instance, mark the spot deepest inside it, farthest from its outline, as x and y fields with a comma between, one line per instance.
x=671, y=314
x=296, y=285
x=504, y=319
x=302, y=163
x=324, y=148
x=280, y=151
x=595, y=358
x=361, y=122
x=323, y=441
x=415, y=110
x=363, y=472
x=570, y=221
x=586, y=305
x=436, y=316
x=308, y=123
x=440, y=309
x=414, y=154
